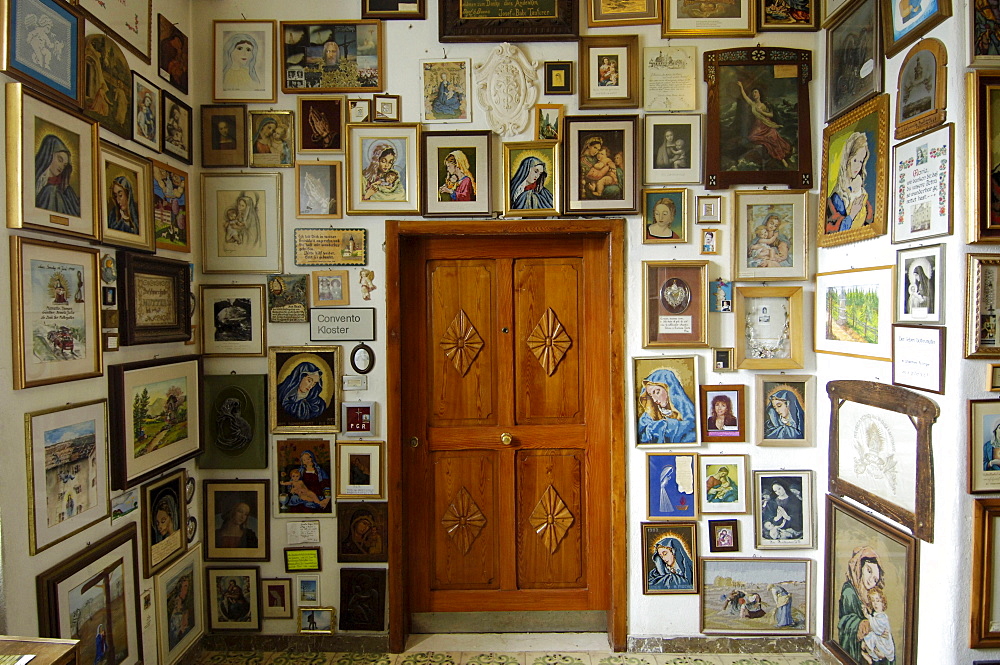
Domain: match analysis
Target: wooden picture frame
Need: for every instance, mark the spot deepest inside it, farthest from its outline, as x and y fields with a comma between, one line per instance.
x=531, y=178
x=887, y=436
x=55, y=324
x=670, y=558
x=340, y=64
x=864, y=130
x=362, y=531
x=774, y=17
x=290, y=367
x=671, y=493
x=854, y=312
x=675, y=303
x=723, y=359
x=682, y=20
x=330, y=288
x=558, y=77
x=180, y=595
x=904, y=24
x=276, y=598
x=361, y=470
x=860, y=547
x=153, y=299
x=483, y=22
x=993, y=377
x=232, y=320
x=178, y=127
x=309, y=461
x=670, y=79
x=318, y=620
x=724, y=485
x=331, y=247
x=60, y=77
x=785, y=518
x=105, y=65
x=711, y=241
x=673, y=149
x=237, y=519
x=164, y=516
x=547, y=129
x=609, y=71
x=243, y=68
x=586, y=138
x=132, y=387
x=383, y=169
x=852, y=40
x=724, y=535
x=784, y=410
x=125, y=191
x=229, y=401
x=920, y=284
x=147, y=115
x=922, y=88
x=918, y=357
x=770, y=235
x=984, y=446
x=446, y=89
x=359, y=111
x=778, y=157
x=605, y=14
x=983, y=95
x=361, y=594
x=456, y=173
x=358, y=418
x=223, y=135
x=322, y=123
x=771, y=339
x=923, y=191
x=670, y=382
x=171, y=214
x=172, y=54
x=319, y=190
x=404, y=10
x=234, y=602
x=785, y=583
x=386, y=108
x=664, y=215
x=984, y=570
x=241, y=223
x=271, y=137
x=728, y=425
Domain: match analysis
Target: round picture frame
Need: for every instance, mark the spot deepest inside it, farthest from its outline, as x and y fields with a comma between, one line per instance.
x=362, y=358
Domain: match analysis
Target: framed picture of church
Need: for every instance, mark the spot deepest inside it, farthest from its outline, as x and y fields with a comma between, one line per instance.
x=922, y=90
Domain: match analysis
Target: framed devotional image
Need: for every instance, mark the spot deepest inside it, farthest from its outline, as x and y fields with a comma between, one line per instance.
x=180, y=607
x=241, y=222
x=665, y=390
x=383, y=169
x=600, y=164
x=322, y=123
x=361, y=470
x=783, y=411
x=172, y=60
x=304, y=388
x=456, y=173
x=147, y=119
x=508, y=22
x=983, y=96
x=922, y=185
x=903, y=24
x=362, y=531
x=330, y=288
x=664, y=215
x=723, y=413
x=235, y=424
x=153, y=299
x=675, y=303
x=673, y=149
x=107, y=98
x=304, y=478
x=724, y=535
x=984, y=446
x=671, y=486
x=319, y=190
x=786, y=514
x=558, y=77
x=770, y=235
x=733, y=19
x=985, y=624
x=670, y=556
x=56, y=332
x=125, y=185
x=724, y=484
x=531, y=179
x=768, y=596
x=234, y=601
x=981, y=27
x=920, y=284
x=770, y=320
x=243, y=68
x=607, y=13
x=331, y=56
x=446, y=88
x=232, y=320
x=853, y=65
x=609, y=71
x=164, y=514
x=272, y=138
x=223, y=135
x=778, y=17
x=922, y=88
x=854, y=312
x=236, y=520
x=43, y=47
x=171, y=218
x=177, y=127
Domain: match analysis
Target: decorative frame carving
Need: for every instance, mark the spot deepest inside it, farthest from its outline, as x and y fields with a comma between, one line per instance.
x=507, y=88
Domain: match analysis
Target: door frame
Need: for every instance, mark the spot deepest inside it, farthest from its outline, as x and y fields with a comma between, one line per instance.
x=396, y=234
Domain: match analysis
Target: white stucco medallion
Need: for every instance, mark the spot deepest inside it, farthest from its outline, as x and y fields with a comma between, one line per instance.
x=507, y=88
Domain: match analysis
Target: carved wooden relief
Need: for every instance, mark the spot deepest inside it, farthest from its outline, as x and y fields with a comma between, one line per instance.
x=549, y=341
x=463, y=520
x=461, y=342
x=551, y=519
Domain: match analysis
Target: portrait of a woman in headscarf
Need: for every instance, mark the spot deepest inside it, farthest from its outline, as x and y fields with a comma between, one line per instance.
x=299, y=394
x=123, y=209
x=527, y=187
x=666, y=412
x=784, y=417
x=671, y=565
x=53, y=169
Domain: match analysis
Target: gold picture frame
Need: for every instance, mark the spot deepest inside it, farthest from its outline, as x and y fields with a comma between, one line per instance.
x=781, y=348
x=319, y=368
x=125, y=192
x=985, y=524
x=609, y=72
x=981, y=304
x=374, y=188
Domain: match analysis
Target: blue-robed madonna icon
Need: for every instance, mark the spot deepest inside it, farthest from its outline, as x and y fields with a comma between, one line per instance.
x=666, y=413
x=672, y=567
x=784, y=417
x=299, y=393
x=527, y=187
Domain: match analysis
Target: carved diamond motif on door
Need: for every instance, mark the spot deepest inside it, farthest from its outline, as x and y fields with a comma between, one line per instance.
x=551, y=519
x=463, y=520
x=461, y=342
x=549, y=341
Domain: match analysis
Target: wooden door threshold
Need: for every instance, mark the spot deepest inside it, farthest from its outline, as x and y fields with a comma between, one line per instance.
x=585, y=621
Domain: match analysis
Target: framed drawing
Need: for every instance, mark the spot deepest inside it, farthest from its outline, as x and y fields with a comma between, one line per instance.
x=446, y=86
x=304, y=477
x=147, y=120
x=145, y=443
x=30, y=59
x=904, y=24
x=724, y=483
x=770, y=319
x=854, y=312
x=330, y=288
x=304, y=388
x=482, y=21
x=235, y=424
x=129, y=22
x=172, y=55
x=548, y=121
x=361, y=594
x=770, y=235
x=670, y=555
x=920, y=284
x=922, y=89
x=243, y=68
x=276, y=598
x=383, y=175
x=853, y=189
x=671, y=486
x=786, y=514
x=180, y=607
x=670, y=78
x=723, y=413
x=93, y=591
x=609, y=72
x=665, y=389
x=456, y=173
x=783, y=584
x=673, y=149
x=604, y=13
x=530, y=175
x=386, y=108
x=985, y=627
x=783, y=412
x=125, y=186
x=232, y=319
x=171, y=218
x=600, y=164
x=164, y=515
x=331, y=247
x=558, y=77
x=664, y=215
x=322, y=123
x=319, y=190
x=67, y=455
x=724, y=535
x=922, y=186
x=153, y=299
x=54, y=312
x=177, y=127
x=234, y=601
x=675, y=303
x=362, y=530
x=393, y=9
x=880, y=451
x=108, y=97
x=332, y=56
x=868, y=565
x=273, y=138
x=307, y=589
x=776, y=17
x=854, y=63
x=760, y=84
x=984, y=446
x=361, y=470
x=318, y=620
x=241, y=222
x=237, y=520
x=918, y=359
x=682, y=19
x=288, y=298
x=223, y=135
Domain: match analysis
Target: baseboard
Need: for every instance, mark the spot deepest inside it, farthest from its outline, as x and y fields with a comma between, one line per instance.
x=257, y=642
x=729, y=645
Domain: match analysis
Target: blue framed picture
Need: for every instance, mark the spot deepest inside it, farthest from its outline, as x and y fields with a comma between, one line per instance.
x=671, y=483
x=44, y=48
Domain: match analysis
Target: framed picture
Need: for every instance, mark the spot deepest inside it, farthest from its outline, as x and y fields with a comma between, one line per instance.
x=445, y=87
x=361, y=594
x=172, y=54
x=770, y=319
x=600, y=164
x=735, y=19
x=331, y=247
x=556, y=21
x=922, y=186
x=723, y=360
x=177, y=127
x=855, y=317
x=984, y=446
x=362, y=358
x=362, y=531
x=332, y=56
x=530, y=176
x=303, y=559
x=765, y=583
x=758, y=83
x=548, y=121
x=304, y=388
x=138, y=451
x=604, y=13
x=456, y=173
x=609, y=72
x=665, y=389
x=359, y=110
x=675, y=306
x=233, y=320
x=129, y=22
x=383, y=169
x=171, y=218
x=670, y=79
x=724, y=535
x=360, y=470
x=95, y=591
x=322, y=122
x=244, y=56
x=670, y=558
x=318, y=190
x=276, y=598
x=66, y=454
x=307, y=589
x=853, y=188
x=304, y=477
x=273, y=138
x=918, y=359
x=671, y=488
x=223, y=135
x=831, y=10
x=785, y=518
x=241, y=229
x=331, y=288
x=235, y=424
x=318, y=620
x=724, y=483
x=664, y=215
x=711, y=240
x=985, y=633
x=673, y=149
x=775, y=17
x=358, y=419
x=880, y=451
x=54, y=312
x=770, y=235
x=851, y=41
x=922, y=89
x=868, y=565
x=980, y=27
x=125, y=181
x=783, y=412
x=164, y=516
x=30, y=59
x=154, y=299
x=288, y=298
x=904, y=24
x=981, y=306
x=558, y=77
x=234, y=601
x=147, y=119
x=180, y=607
x=393, y=9
x=920, y=284
x=993, y=378
x=105, y=66
x=723, y=413
x=708, y=209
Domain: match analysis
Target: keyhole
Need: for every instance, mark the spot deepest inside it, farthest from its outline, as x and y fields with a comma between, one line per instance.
x=505, y=330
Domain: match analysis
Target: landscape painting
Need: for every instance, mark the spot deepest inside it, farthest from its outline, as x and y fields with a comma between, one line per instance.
x=757, y=596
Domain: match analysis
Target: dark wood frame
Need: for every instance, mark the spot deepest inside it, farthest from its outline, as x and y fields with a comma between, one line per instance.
x=177, y=480
x=355, y=365
x=209, y=155
x=288, y=50
x=165, y=146
x=733, y=525
x=935, y=115
x=915, y=31
x=576, y=126
x=633, y=84
x=735, y=436
x=380, y=517
x=319, y=559
x=941, y=358
x=261, y=488
x=656, y=274
x=922, y=412
x=284, y=582
x=379, y=117
x=349, y=578
x=255, y=610
x=9, y=42
x=870, y=85
x=551, y=66
x=307, y=103
x=564, y=26
x=985, y=514
x=981, y=88
x=252, y=387
x=130, y=265
x=388, y=14
x=980, y=480
x=807, y=541
x=763, y=60
x=154, y=143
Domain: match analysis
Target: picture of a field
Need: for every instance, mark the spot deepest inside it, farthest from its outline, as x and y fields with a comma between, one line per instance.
x=756, y=596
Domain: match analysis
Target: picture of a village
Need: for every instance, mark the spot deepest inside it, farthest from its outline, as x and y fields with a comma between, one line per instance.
x=70, y=471
x=757, y=596
x=159, y=415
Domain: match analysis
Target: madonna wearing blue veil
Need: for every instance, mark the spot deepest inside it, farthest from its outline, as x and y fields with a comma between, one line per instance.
x=666, y=413
x=672, y=567
x=527, y=187
x=53, y=168
x=783, y=416
x=299, y=393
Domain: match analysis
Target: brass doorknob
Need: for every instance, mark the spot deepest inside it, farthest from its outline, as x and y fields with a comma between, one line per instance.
x=506, y=438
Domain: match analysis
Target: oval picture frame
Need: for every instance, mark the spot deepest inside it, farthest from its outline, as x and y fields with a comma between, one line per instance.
x=362, y=358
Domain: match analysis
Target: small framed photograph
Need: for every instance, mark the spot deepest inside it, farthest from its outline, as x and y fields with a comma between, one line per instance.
x=288, y=298
x=359, y=111
x=272, y=138
x=237, y=520
x=388, y=10
x=711, y=240
x=171, y=216
x=234, y=601
x=456, y=173
x=109, y=296
x=304, y=388
x=244, y=55
x=786, y=513
x=177, y=127
x=446, y=86
x=675, y=303
x=548, y=121
x=358, y=419
x=322, y=123
x=319, y=190
x=682, y=19
x=558, y=77
x=672, y=149
x=147, y=119
x=530, y=173
x=241, y=229
x=276, y=598
x=671, y=487
x=154, y=299
x=606, y=13
x=600, y=164
x=770, y=320
x=362, y=531
x=671, y=555
x=332, y=56
x=854, y=312
x=125, y=186
x=775, y=17
x=318, y=620
x=993, y=377
x=34, y=32
x=307, y=590
x=708, y=209
x=722, y=359
x=386, y=108
x=235, y=423
x=922, y=88
x=783, y=412
x=770, y=235
x=920, y=284
x=360, y=470
x=984, y=445
x=233, y=320
x=303, y=560
x=331, y=247
x=331, y=288
x=609, y=71
x=164, y=516
x=665, y=390
x=172, y=63
x=724, y=486
x=724, y=535
x=918, y=358
x=303, y=477
x=383, y=175
x=223, y=135
x=774, y=596
x=853, y=66
x=180, y=607
x=922, y=191
x=720, y=299
x=362, y=591
x=904, y=24
x=723, y=413
x=664, y=215
x=670, y=79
